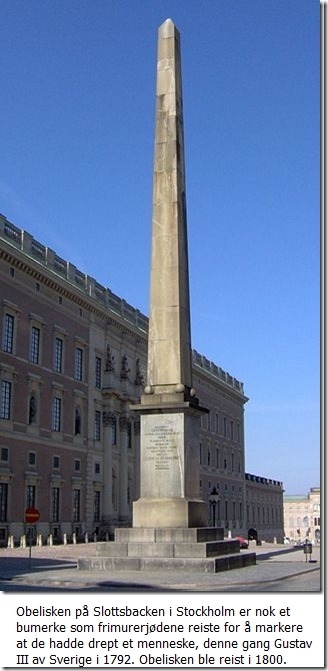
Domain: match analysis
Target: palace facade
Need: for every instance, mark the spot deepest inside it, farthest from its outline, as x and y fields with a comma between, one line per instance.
x=72, y=361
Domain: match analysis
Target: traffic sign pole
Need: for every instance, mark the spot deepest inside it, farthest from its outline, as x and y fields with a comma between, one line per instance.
x=31, y=517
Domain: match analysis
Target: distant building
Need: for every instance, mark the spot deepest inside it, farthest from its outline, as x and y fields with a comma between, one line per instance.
x=302, y=516
x=72, y=360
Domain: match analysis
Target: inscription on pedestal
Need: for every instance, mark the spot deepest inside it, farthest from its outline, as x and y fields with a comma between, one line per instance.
x=162, y=446
x=161, y=441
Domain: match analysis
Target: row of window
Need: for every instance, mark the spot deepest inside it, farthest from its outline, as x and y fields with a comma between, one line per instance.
x=263, y=515
x=8, y=344
x=57, y=415
x=30, y=501
x=303, y=522
x=210, y=461
x=221, y=426
x=32, y=459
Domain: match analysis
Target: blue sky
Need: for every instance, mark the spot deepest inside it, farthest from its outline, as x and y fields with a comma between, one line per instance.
x=76, y=135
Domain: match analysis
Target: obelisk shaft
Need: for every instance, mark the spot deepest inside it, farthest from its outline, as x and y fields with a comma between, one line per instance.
x=169, y=426
x=169, y=341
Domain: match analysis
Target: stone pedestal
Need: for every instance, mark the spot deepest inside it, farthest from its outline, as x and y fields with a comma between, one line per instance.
x=169, y=490
x=153, y=549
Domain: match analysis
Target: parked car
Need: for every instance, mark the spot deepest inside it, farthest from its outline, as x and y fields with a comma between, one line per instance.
x=242, y=541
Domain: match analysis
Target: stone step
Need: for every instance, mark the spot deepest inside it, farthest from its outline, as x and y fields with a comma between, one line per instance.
x=204, y=565
x=182, y=550
x=169, y=534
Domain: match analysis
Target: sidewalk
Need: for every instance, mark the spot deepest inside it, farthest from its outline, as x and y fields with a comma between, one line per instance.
x=55, y=568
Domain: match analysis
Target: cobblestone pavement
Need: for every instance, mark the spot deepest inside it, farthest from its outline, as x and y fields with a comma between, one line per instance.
x=278, y=568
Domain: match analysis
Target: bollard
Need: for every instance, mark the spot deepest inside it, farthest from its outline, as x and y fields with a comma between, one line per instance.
x=86, y=537
x=65, y=539
x=23, y=541
x=74, y=538
x=107, y=536
x=11, y=541
x=275, y=540
x=50, y=540
x=39, y=540
x=95, y=537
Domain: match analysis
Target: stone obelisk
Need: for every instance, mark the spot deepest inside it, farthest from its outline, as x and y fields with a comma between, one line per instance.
x=169, y=487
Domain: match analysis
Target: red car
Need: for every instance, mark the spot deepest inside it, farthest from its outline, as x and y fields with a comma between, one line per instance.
x=243, y=542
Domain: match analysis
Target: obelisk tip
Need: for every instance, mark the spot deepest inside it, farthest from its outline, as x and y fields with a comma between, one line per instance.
x=168, y=28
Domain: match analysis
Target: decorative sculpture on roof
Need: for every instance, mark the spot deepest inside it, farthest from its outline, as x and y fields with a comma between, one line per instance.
x=125, y=368
x=139, y=376
x=110, y=360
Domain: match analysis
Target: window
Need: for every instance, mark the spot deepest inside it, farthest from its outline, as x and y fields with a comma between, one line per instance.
x=76, y=505
x=225, y=427
x=97, y=468
x=3, y=501
x=217, y=457
x=4, y=454
x=32, y=410
x=77, y=422
x=56, y=462
x=30, y=496
x=8, y=335
x=35, y=344
x=78, y=372
x=96, y=510
x=31, y=458
x=114, y=432
x=129, y=435
x=97, y=424
x=58, y=355
x=98, y=373
x=55, y=496
x=56, y=413
x=232, y=462
x=5, y=399
x=208, y=457
x=77, y=464
x=216, y=423
x=231, y=430
x=200, y=454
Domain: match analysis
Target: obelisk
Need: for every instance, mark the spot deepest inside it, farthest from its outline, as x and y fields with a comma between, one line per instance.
x=169, y=486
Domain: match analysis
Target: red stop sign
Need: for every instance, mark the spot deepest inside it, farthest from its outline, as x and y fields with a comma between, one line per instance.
x=31, y=515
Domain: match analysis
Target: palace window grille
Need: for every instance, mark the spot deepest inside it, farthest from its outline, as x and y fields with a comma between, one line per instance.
x=98, y=373
x=8, y=336
x=5, y=399
x=30, y=496
x=78, y=372
x=96, y=511
x=76, y=505
x=59, y=348
x=97, y=425
x=35, y=344
x=55, y=504
x=56, y=413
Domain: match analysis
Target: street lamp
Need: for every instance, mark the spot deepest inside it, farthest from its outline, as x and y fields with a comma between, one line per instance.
x=213, y=501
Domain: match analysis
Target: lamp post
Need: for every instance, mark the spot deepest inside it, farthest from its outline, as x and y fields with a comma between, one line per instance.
x=213, y=500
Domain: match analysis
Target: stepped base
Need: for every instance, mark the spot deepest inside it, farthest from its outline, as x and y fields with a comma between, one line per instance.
x=206, y=565
x=201, y=549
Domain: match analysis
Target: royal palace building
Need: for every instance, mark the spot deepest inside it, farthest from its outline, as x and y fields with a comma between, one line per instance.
x=72, y=361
